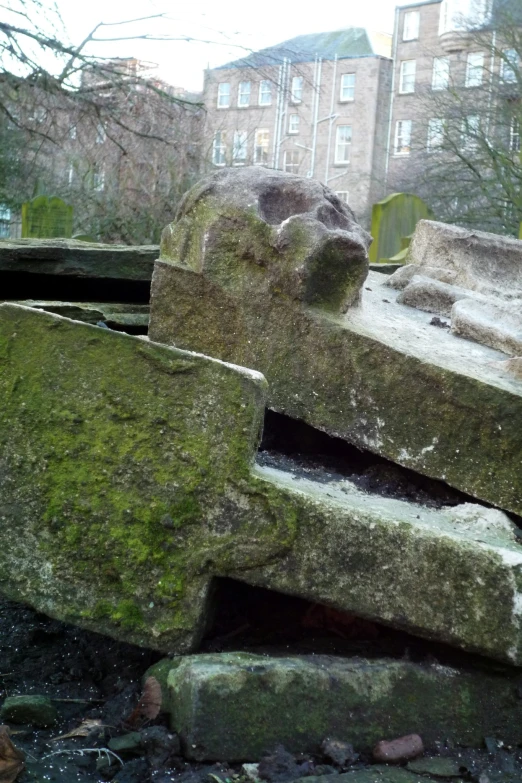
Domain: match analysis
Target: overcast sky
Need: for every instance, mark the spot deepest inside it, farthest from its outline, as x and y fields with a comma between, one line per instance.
x=231, y=27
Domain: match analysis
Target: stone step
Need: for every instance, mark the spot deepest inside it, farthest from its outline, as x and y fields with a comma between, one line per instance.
x=239, y=706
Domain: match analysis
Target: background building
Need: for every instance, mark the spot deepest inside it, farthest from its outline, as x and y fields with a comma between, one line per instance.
x=316, y=105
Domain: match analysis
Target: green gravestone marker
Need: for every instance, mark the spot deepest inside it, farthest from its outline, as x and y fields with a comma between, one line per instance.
x=47, y=217
x=393, y=219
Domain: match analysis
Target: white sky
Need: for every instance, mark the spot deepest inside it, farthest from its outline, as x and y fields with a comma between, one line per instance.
x=233, y=27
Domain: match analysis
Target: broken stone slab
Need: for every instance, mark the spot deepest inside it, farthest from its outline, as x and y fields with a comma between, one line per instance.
x=404, y=275
x=127, y=486
x=434, y=296
x=379, y=376
x=238, y=706
x=73, y=257
x=493, y=324
x=483, y=262
x=92, y=313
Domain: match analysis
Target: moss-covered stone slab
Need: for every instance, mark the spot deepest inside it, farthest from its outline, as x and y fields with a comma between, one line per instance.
x=238, y=706
x=73, y=257
x=121, y=464
x=127, y=485
x=382, y=376
x=374, y=774
x=93, y=312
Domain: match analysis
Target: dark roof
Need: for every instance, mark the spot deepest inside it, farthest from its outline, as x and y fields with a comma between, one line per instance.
x=353, y=42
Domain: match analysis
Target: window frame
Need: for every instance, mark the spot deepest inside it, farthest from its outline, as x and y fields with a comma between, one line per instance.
x=474, y=72
x=403, y=76
x=293, y=131
x=241, y=93
x=396, y=151
x=343, y=87
x=263, y=90
x=291, y=168
x=340, y=193
x=507, y=68
x=258, y=146
x=243, y=145
x=221, y=94
x=416, y=26
x=296, y=95
x=435, y=76
x=221, y=147
x=432, y=134
x=342, y=144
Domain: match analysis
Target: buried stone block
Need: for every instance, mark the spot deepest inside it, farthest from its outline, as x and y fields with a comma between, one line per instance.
x=127, y=484
x=238, y=706
x=234, y=282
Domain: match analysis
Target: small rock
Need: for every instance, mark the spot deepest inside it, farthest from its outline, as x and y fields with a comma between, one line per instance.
x=133, y=772
x=251, y=771
x=437, y=766
x=341, y=753
x=126, y=743
x=397, y=750
x=160, y=745
x=32, y=710
x=280, y=766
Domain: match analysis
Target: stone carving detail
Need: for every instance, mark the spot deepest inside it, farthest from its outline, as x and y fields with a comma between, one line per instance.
x=259, y=231
x=472, y=277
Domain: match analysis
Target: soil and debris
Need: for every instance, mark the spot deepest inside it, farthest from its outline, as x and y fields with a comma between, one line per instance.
x=102, y=730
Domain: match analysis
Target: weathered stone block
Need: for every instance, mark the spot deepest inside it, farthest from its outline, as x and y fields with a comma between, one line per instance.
x=488, y=263
x=75, y=258
x=494, y=324
x=238, y=706
x=127, y=485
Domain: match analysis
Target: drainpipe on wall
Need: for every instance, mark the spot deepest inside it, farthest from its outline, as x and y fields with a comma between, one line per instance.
x=317, y=93
x=490, y=89
x=282, y=113
x=332, y=117
x=394, y=63
x=277, y=112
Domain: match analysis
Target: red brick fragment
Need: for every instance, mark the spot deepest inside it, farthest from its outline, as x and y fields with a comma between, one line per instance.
x=397, y=750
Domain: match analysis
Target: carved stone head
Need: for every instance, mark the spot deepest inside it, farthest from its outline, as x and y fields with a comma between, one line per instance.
x=258, y=231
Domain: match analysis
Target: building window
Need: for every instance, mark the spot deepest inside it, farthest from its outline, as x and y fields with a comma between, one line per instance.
x=5, y=221
x=435, y=139
x=223, y=99
x=470, y=132
x=296, y=93
x=293, y=123
x=239, y=148
x=265, y=93
x=261, y=147
x=463, y=14
x=98, y=177
x=407, y=76
x=72, y=132
x=219, y=149
x=402, y=144
x=343, y=143
x=410, y=30
x=291, y=161
x=509, y=65
x=514, y=135
x=474, y=69
x=347, y=87
x=101, y=135
x=243, y=94
x=440, y=76
x=342, y=195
